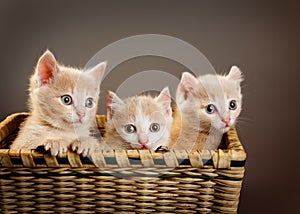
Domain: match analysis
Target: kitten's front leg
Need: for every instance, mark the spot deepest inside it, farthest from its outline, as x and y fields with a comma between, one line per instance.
x=86, y=146
x=56, y=146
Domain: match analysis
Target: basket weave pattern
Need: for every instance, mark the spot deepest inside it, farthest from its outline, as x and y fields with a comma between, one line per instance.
x=116, y=181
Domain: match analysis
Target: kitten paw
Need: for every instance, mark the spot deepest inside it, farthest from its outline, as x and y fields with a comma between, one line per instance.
x=86, y=147
x=56, y=146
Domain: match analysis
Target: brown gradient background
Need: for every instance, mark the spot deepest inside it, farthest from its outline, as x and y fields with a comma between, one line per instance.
x=261, y=38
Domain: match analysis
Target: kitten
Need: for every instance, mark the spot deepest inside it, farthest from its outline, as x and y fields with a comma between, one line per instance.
x=207, y=107
x=140, y=122
x=63, y=103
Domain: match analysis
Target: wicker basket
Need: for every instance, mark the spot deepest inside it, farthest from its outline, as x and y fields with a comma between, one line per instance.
x=137, y=181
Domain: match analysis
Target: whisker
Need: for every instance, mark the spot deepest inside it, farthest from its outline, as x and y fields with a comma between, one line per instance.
x=243, y=122
x=245, y=94
x=245, y=86
x=245, y=119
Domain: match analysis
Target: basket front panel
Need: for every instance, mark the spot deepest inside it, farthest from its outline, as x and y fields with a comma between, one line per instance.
x=51, y=190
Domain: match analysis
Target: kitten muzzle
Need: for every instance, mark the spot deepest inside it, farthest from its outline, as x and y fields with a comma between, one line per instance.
x=144, y=146
x=143, y=142
x=226, y=121
x=80, y=116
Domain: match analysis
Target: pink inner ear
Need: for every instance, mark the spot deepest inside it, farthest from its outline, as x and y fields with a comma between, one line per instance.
x=187, y=83
x=168, y=111
x=165, y=99
x=46, y=67
x=186, y=89
x=185, y=95
x=108, y=106
x=45, y=72
x=235, y=73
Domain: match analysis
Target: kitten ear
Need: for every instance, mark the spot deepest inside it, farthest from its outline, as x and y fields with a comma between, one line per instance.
x=97, y=71
x=112, y=100
x=46, y=67
x=235, y=74
x=187, y=84
x=165, y=99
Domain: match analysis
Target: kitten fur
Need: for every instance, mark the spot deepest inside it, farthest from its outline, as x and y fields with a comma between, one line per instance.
x=142, y=112
x=193, y=127
x=53, y=123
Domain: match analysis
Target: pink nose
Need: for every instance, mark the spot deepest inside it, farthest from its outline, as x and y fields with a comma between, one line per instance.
x=226, y=121
x=143, y=141
x=80, y=115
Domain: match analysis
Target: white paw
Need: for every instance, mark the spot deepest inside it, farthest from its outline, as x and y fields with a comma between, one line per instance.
x=56, y=146
x=86, y=147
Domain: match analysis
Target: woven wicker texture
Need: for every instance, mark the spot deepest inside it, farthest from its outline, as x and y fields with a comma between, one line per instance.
x=137, y=181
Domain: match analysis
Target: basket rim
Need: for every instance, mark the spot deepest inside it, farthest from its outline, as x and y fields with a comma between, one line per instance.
x=232, y=157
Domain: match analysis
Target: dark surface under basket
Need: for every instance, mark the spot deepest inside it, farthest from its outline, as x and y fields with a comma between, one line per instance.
x=138, y=181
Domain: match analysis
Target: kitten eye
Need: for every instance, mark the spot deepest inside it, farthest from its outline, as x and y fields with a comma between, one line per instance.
x=89, y=102
x=154, y=127
x=66, y=99
x=232, y=105
x=210, y=108
x=130, y=129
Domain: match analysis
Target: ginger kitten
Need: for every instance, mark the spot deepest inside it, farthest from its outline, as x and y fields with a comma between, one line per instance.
x=140, y=122
x=63, y=103
x=207, y=107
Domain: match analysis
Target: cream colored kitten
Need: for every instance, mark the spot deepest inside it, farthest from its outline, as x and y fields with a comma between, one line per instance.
x=207, y=107
x=63, y=103
x=140, y=122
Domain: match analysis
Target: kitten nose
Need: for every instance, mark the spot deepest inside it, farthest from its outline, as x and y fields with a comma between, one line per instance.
x=144, y=143
x=143, y=139
x=226, y=121
x=80, y=115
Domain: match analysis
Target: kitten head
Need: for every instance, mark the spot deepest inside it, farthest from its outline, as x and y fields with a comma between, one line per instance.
x=64, y=96
x=215, y=99
x=143, y=122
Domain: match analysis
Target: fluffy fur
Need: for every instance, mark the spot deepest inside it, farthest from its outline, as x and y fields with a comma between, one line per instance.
x=53, y=123
x=193, y=126
x=142, y=112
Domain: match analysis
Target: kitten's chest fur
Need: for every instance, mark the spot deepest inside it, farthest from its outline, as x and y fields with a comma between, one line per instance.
x=71, y=131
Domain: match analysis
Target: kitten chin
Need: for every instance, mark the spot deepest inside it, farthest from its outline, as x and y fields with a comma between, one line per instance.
x=207, y=107
x=140, y=122
x=63, y=103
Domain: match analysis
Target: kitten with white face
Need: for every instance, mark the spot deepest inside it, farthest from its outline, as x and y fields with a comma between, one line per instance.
x=208, y=107
x=140, y=122
x=63, y=103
